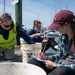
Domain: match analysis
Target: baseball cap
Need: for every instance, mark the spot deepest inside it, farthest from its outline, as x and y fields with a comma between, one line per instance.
x=60, y=18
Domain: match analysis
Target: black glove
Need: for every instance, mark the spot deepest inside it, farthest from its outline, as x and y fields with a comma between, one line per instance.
x=50, y=43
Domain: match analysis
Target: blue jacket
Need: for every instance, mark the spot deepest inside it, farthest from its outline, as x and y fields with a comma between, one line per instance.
x=37, y=38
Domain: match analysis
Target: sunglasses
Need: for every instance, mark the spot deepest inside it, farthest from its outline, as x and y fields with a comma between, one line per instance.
x=7, y=26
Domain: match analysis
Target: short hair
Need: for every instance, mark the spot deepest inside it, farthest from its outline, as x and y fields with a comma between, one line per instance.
x=5, y=17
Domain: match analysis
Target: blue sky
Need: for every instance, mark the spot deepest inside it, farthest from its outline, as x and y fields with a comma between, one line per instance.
x=43, y=10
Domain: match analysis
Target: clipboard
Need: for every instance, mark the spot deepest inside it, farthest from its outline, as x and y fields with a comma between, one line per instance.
x=36, y=58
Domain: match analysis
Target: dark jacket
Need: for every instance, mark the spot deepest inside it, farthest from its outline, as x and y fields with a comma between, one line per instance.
x=37, y=38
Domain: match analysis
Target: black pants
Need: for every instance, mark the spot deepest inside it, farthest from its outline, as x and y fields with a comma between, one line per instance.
x=40, y=64
x=55, y=71
x=62, y=71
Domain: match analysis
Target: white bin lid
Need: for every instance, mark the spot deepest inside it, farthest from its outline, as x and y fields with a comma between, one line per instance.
x=12, y=68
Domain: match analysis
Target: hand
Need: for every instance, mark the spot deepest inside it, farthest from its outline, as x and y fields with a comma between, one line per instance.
x=42, y=56
x=45, y=40
x=38, y=34
x=49, y=64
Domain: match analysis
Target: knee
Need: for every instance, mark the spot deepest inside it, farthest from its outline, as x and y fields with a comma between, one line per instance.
x=59, y=71
x=8, y=57
x=32, y=61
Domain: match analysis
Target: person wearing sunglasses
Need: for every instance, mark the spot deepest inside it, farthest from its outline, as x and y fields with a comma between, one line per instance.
x=8, y=32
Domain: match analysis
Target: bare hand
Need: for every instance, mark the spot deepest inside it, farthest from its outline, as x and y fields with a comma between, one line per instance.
x=49, y=64
x=45, y=40
x=42, y=56
x=39, y=34
x=36, y=34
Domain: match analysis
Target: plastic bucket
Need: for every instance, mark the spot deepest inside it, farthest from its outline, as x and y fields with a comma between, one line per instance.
x=28, y=49
x=13, y=68
x=37, y=48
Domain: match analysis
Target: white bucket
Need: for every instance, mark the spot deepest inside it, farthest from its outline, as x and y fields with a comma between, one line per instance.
x=13, y=68
x=37, y=48
x=22, y=41
x=26, y=55
x=28, y=49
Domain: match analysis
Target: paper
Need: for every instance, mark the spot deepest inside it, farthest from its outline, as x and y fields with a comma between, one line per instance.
x=36, y=58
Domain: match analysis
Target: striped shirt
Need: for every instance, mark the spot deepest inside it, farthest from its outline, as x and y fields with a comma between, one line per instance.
x=63, y=53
